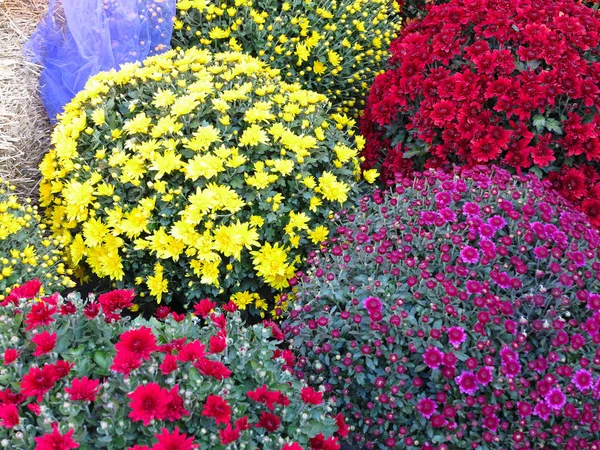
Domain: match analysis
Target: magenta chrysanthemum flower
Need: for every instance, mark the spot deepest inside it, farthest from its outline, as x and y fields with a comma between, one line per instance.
x=426, y=407
x=508, y=355
x=484, y=376
x=556, y=399
x=541, y=252
x=497, y=222
x=511, y=368
x=471, y=209
x=456, y=336
x=469, y=254
x=467, y=383
x=372, y=304
x=583, y=380
x=473, y=287
x=542, y=410
x=433, y=357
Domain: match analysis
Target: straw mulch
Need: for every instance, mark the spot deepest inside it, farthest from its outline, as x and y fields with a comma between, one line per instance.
x=24, y=125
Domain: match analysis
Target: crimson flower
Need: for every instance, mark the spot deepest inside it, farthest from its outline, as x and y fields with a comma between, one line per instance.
x=320, y=443
x=175, y=408
x=27, y=290
x=41, y=314
x=174, y=441
x=310, y=396
x=9, y=415
x=204, y=307
x=168, y=365
x=56, y=441
x=91, y=310
x=38, y=381
x=114, y=301
x=191, y=351
x=83, y=389
x=269, y=422
x=125, y=362
x=217, y=344
x=229, y=434
x=213, y=369
x=264, y=395
x=148, y=402
x=140, y=342
x=343, y=428
x=10, y=355
x=216, y=407
x=45, y=343
x=291, y=446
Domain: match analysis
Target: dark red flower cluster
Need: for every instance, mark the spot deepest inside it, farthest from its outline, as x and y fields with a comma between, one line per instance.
x=512, y=82
x=460, y=310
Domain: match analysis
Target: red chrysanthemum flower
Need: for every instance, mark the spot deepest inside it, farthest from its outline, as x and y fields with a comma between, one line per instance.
x=310, y=396
x=124, y=362
x=292, y=446
x=141, y=342
x=217, y=343
x=229, y=434
x=38, y=381
x=174, y=441
x=213, y=369
x=168, y=365
x=83, y=389
x=175, y=408
x=91, y=310
x=320, y=443
x=9, y=415
x=27, y=290
x=343, y=428
x=10, y=355
x=56, y=441
x=45, y=343
x=217, y=408
x=114, y=302
x=148, y=402
x=204, y=307
x=191, y=351
x=269, y=422
x=41, y=314
x=264, y=395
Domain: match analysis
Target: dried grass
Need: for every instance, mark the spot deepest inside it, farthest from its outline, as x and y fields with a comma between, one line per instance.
x=24, y=126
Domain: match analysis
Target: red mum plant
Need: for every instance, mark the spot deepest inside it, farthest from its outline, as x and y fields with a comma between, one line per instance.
x=458, y=310
x=511, y=82
x=76, y=374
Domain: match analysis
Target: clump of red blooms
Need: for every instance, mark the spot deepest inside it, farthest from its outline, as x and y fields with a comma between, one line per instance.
x=77, y=374
x=457, y=310
x=510, y=82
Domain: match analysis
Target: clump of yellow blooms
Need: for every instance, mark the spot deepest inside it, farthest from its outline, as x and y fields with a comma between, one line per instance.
x=334, y=47
x=197, y=175
x=26, y=251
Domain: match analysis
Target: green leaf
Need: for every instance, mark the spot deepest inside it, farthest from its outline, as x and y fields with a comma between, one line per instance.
x=554, y=126
x=539, y=122
x=102, y=359
x=412, y=153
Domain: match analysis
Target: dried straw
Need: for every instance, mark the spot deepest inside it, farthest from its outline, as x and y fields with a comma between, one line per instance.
x=24, y=126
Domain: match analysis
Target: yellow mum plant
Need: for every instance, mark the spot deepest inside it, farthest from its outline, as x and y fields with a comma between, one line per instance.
x=332, y=47
x=197, y=175
x=26, y=251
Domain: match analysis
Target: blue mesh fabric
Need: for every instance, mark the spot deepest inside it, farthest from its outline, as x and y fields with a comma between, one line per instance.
x=79, y=38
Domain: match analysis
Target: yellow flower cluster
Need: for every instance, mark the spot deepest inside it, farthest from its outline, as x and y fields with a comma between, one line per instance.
x=26, y=252
x=332, y=47
x=197, y=175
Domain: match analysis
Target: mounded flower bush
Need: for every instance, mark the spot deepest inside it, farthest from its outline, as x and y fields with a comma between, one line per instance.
x=26, y=250
x=458, y=311
x=509, y=82
x=197, y=175
x=76, y=374
x=334, y=48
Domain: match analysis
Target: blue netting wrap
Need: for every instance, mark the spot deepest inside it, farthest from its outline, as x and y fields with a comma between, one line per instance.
x=79, y=38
